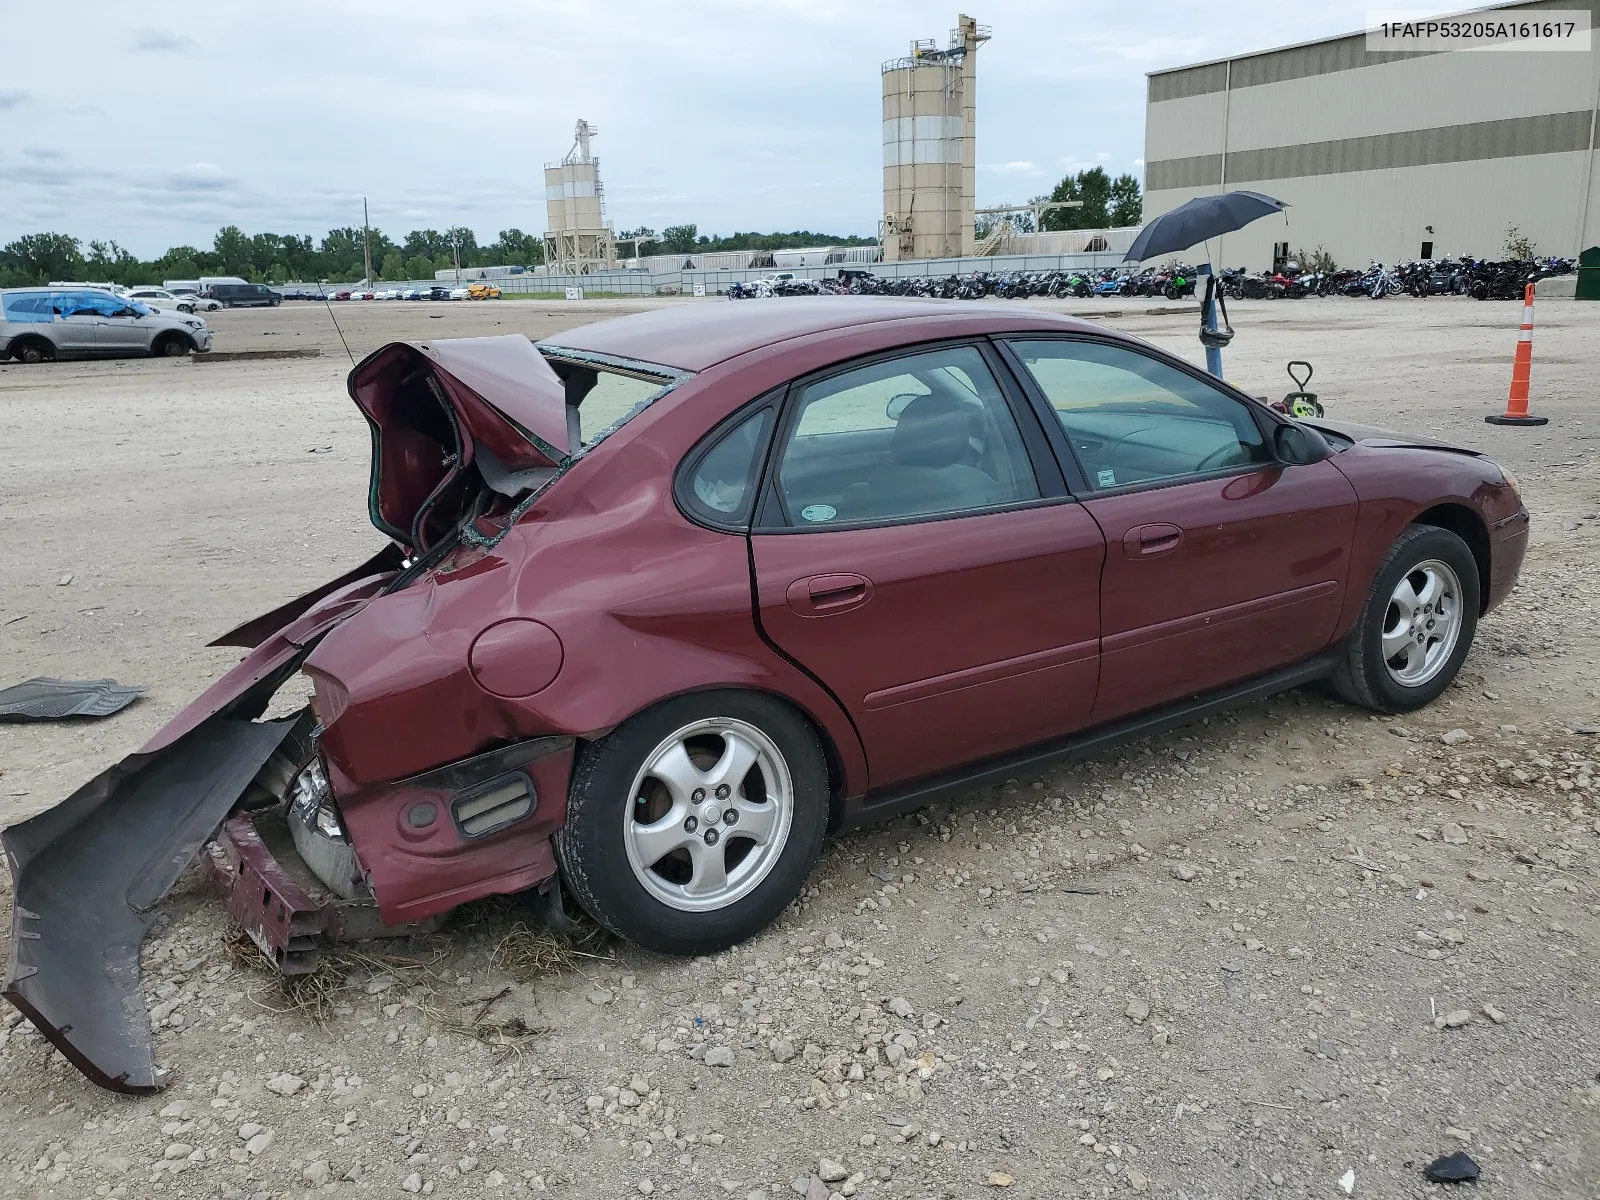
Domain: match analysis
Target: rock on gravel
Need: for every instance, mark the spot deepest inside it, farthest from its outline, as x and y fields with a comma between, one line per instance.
x=719, y=1056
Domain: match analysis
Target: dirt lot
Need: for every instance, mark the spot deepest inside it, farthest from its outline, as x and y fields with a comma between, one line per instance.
x=1208, y=966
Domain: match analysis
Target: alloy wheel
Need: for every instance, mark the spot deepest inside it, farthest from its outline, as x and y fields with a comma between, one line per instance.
x=709, y=815
x=1422, y=623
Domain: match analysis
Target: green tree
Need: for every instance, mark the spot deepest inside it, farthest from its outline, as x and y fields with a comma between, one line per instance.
x=513, y=248
x=233, y=251
x=1102, y=201
x=1127, y=204
x=419, y=266
x=41, y=257
x=679, y=239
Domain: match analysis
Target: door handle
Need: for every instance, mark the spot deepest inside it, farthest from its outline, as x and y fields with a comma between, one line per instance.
x=1148, y=541
x=823, y=595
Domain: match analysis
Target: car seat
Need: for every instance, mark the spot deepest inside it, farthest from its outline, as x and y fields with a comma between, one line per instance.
x=928, y=469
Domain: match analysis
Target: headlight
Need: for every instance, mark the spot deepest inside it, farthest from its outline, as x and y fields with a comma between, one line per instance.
x=312, y=800
x=1510, y=479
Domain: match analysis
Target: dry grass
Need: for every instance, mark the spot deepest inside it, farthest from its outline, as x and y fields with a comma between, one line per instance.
x=319, y=992
x=527, y=954
x=500, y=1019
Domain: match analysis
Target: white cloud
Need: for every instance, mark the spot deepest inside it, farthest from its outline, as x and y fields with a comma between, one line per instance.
x=13, y=98
x=200, y=177
x=1018, y=167
x=161, y=41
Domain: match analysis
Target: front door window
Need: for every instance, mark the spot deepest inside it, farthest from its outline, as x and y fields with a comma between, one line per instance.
x=1134, y=420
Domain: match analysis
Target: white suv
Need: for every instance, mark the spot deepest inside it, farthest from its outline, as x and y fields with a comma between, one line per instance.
x=38, y=324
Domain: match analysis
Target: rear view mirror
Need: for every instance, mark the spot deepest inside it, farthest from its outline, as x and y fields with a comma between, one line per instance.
x=1298, y=445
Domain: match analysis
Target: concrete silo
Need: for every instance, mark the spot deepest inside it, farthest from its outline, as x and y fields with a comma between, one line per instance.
x=577, y=239
x=929, y=146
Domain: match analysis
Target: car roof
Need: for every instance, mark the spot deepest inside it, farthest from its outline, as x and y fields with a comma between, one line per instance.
x=693, y=337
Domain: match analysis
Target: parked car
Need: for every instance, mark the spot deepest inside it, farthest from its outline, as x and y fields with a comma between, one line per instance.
x=482, y=291
x=43, y=324
x=439, y=291
x=666, y=599
x=460, y=293
x=243, y=295
x=160, y=299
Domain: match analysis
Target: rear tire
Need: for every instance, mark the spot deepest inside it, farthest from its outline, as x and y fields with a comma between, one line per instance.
x=1408, y=644
x=32, y=353
x=626, y=783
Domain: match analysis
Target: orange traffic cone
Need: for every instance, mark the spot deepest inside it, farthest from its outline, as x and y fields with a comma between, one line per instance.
x=1521, y=372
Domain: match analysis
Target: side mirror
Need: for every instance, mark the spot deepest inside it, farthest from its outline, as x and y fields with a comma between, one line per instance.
x=1300, y=445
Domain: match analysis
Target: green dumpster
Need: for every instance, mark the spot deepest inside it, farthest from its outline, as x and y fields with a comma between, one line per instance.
x=1589, y=274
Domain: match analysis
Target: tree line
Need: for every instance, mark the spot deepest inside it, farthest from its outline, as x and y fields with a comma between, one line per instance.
x=1104, y=203
x=263, y=257
x=687, y=239
x=279, y=258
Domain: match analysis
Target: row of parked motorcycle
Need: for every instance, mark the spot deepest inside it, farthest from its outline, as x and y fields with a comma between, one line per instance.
x=1172, y=282
x=1464, y=276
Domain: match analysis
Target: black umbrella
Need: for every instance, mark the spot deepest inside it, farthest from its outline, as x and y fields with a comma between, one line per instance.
x=1193, y=222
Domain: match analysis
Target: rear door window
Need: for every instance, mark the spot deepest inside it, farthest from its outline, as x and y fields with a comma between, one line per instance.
x=916, y=436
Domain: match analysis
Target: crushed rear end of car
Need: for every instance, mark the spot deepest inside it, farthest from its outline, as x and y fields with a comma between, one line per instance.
x=400, y=789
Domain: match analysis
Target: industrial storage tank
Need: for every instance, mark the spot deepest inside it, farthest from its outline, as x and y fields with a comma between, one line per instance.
x=577, y=240
x=929, y=146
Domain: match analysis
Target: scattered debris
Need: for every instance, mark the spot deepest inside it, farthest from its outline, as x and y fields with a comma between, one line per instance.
x=1452, y=1168
x=1347, y=1182
x=46, y=699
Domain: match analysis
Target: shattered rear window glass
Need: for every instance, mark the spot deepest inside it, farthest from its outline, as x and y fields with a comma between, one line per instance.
x=612, y=399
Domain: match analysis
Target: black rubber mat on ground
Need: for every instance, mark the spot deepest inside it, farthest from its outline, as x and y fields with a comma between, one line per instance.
x=57, y=699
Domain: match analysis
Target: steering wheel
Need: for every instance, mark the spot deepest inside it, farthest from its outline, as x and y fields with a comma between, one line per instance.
x=1217, y=458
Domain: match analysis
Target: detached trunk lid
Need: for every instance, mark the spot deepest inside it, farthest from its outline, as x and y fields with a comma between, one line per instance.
x=440, y=409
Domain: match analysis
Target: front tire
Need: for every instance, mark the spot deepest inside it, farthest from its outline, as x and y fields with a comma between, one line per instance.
x=1417, y=625
x=650, y=849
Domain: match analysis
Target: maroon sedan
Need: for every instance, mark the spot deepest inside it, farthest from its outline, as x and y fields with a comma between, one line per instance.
x=667, y=599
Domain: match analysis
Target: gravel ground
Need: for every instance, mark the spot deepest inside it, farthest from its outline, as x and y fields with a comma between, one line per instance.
x=1284, y=950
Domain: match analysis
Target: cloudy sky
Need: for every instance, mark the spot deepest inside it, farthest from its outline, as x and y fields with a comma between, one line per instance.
x=279, y=115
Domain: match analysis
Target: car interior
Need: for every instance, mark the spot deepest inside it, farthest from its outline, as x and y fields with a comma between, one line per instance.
x=1134, y=419
x=914, y=436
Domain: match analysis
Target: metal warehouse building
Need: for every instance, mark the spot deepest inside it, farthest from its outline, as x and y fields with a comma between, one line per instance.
x=1386, y=155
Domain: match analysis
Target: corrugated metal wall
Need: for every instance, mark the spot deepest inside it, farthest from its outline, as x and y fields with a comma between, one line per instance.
x=1371, y=149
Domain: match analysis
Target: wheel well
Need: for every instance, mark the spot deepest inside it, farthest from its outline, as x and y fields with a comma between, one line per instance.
x=30, y=339
x=830, y=751
x=1468, y=526
x=173, y=335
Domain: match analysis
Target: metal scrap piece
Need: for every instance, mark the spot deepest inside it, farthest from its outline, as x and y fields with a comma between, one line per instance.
x=87, y=876
x=56, y=699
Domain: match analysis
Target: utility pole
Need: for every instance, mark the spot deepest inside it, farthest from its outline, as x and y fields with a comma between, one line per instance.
x=366, y=241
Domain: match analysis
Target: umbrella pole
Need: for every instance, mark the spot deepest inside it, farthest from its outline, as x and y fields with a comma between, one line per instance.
x=1208, y=321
